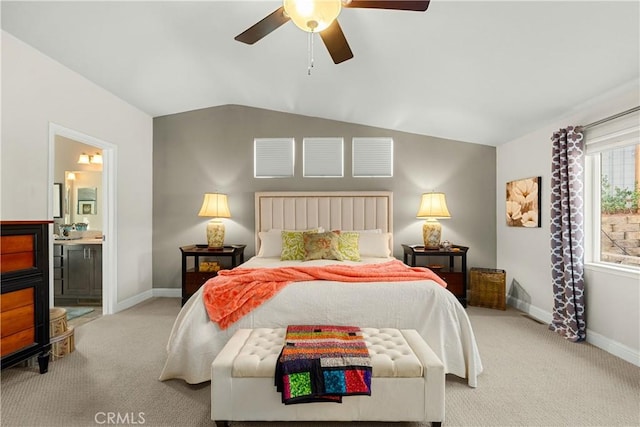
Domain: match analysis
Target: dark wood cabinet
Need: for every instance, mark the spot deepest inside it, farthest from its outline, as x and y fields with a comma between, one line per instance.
x=58, y=269
x=24, y=301
x=454, y=273
x=77, y=273
x=193, y=276
x=83, y=270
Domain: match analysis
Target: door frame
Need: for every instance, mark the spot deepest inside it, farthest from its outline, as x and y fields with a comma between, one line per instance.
x=109, y=213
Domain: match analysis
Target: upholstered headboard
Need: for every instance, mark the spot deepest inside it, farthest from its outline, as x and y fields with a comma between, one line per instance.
x=332, y=210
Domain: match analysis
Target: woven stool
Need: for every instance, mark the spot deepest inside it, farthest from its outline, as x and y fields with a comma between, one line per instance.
x=62, y=344
x=57, y=321
x=60, y=333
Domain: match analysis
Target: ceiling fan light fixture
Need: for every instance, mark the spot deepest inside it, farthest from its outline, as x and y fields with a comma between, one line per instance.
x=312, y=16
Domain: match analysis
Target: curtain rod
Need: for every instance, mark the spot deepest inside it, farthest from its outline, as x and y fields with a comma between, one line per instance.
x=608, y=119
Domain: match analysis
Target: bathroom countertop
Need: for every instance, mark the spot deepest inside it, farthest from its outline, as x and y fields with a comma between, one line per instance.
x=81, y=241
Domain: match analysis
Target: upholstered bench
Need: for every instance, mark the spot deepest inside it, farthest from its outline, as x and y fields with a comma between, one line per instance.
x=408, y=381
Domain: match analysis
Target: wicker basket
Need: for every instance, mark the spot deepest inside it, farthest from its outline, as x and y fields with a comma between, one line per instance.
x=487, y=288
x=62, y=344
x=57, y=321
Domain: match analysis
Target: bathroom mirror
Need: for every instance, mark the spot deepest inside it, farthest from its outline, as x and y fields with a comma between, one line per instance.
x=81, y=196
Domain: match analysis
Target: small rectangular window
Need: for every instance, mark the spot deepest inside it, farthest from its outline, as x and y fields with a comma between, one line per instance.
x=273, y=157
x=372, y=157
x=323, y=157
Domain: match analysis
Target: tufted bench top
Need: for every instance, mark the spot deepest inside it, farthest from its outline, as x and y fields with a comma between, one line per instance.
x=391, y=355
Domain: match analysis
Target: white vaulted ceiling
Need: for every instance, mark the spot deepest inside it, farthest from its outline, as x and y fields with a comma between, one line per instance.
x=476, y=71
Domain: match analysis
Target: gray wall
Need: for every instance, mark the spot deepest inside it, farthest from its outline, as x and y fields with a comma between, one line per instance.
x=212, y=150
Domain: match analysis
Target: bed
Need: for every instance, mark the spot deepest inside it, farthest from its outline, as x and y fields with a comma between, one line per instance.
x=422, y=305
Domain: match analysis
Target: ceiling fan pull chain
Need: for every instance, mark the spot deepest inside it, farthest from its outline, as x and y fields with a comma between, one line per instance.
x=310, y=50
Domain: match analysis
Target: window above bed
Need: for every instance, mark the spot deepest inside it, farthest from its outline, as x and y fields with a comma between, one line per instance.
x=323, y=157
x=273, y=157
x=372, y=157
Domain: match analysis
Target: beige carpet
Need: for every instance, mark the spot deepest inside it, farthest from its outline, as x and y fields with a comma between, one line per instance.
x=532, y=377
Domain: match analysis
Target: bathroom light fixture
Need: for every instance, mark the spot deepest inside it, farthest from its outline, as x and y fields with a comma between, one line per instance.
x=96, y=159
x=215, y=205
x=432, y=207
x=86, y=159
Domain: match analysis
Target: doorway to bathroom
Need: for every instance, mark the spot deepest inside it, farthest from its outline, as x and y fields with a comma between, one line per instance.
x=83, y=259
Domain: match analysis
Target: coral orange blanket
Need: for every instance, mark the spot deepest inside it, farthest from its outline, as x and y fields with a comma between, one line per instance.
x=234, y=293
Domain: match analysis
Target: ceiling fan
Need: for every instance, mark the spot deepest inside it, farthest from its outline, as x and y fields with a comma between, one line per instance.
x=320, y=16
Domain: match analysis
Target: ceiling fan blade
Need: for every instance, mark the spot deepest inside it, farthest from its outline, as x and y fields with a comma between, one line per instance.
x=418, y=6
x=336, y=43
x=272, y=22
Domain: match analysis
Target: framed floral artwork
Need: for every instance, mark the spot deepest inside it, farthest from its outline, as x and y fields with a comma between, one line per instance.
x=523, y=203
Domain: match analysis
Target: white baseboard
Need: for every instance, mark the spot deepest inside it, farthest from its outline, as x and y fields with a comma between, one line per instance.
x=141, y=297
x=610, y=346
x=533, y=311
x=134, y=300
x=167, y=292
x=620, y=350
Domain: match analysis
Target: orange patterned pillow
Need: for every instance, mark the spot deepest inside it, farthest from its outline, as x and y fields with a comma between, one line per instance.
x=321, y=246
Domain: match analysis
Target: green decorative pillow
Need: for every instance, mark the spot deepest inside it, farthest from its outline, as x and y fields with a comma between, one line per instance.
x=321, y=246
x=348, y=245
x=293, y=245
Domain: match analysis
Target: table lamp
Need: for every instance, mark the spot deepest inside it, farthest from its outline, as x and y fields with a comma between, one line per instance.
x=215, y=205
x=433, y=206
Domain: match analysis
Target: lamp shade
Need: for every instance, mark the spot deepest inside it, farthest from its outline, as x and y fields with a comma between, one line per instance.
x=83, y=159
x=312, y=15
x=433, y=205
x=96, y=159
x=215, y=205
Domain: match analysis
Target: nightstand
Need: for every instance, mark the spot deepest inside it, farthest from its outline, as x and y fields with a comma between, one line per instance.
x=192, y=276
x=454, y=273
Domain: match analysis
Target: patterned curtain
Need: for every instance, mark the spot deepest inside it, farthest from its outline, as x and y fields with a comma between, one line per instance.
x=567, y=234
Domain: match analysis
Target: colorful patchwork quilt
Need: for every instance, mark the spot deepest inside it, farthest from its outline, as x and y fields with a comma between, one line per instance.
x=320, y=363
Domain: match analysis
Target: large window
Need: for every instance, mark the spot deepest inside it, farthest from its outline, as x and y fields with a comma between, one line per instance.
x=613, y=192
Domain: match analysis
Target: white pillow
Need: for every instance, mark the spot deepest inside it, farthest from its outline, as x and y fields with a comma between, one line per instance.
x=374, y=245
x=271, y=242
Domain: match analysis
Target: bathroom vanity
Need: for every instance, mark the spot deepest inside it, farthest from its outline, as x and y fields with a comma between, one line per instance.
x=77, y=271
